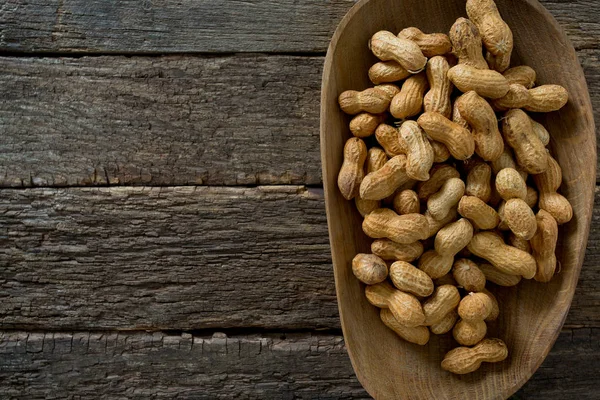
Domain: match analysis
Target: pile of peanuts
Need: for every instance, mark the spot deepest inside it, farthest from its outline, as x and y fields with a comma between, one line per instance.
x=473, y=160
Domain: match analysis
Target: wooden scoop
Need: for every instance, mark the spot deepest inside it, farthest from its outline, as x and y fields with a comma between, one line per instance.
x=532, y=314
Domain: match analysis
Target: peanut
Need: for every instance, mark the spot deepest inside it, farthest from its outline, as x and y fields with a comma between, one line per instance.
x=444, y=299
x=466, y=43
x=364, y=124
x=447, y=279
x=376, y=159
x=540, y=131
x=543, y=245
x=520, y=218
x=388, y=47
x=352, y=171
x=475, y=307
x=440, y=152
x=521, y=75
x=508, y=259
x=419, y=155
x=437, y=98
x=407, y=202
x=418, y=334
x=434, y=264
x=405, y=307
x=435, y=225
x=409, y=101
x=379, y=294
x=389, y=138
x=498, y=277
x=548, y=183
x=463, y=360
x=468, y=275
x=464, y=253
x=469, y=333
x=506, y=160
x=532, y=197
x=518, y=96
x=410, y=279
x=495, y=306
x=369, y=268
x=440, y=203
x=372, y=100
x=458, y=119
x=510, y=185
x=500, y=63
x=519, y=243
x=445, y=324
x=495, y=199
x=381, y=183
x=439, y=175
x=365, y=207
x=487, y=83
x=390, y=89
x=529, y=149
x=547, y=98
x=495, y=33
x=503, y=226
x=453, y=237
x=432, y=44
x=458, y=140
x=479, y=181
x=403, y=229
x=480, y=116
x=392, y=251
x=387, y=71
x=480, y=214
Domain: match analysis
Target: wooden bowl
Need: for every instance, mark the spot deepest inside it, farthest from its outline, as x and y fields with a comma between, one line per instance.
x=532, y=314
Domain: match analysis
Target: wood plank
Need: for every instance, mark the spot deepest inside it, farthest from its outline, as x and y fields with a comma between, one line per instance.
x=240, y=120
x=233, y=120
x=183, y=258
x=165, y=258
x=267, y=366
x=167, y=26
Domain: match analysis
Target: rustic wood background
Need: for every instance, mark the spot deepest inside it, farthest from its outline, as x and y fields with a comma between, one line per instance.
x=162, y=230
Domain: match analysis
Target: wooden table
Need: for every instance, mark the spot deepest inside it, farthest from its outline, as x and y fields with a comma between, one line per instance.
x=162, y=230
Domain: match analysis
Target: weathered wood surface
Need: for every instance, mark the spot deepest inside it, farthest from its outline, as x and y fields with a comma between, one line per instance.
x=176, y=120
x=183, y=258
x=165, y=258
x=167, y=26
x=232, y=120
x=268, y=366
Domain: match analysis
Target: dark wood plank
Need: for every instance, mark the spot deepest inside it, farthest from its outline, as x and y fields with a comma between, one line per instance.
x=183, y=258
x=167, y=26
x=240, y=120
x=166, y=258
x=233, y=120
x=269, y=366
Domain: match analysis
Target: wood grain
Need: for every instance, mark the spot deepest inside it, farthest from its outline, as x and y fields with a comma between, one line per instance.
x=167, y=26
x=183, y=258
x=241, y=120
x=232, y=120
x=165, y=258
x=533, y=313
x=266, y=366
